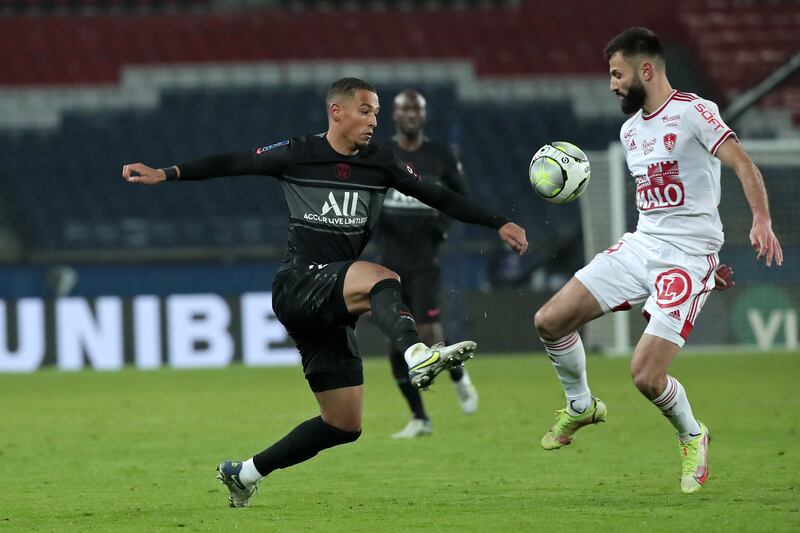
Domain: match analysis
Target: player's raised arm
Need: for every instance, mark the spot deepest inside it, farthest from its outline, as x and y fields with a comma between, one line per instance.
x=268, y=160
x=462, y=208
x=762, y=238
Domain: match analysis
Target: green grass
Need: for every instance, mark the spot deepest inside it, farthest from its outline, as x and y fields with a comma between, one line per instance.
x=136, y=451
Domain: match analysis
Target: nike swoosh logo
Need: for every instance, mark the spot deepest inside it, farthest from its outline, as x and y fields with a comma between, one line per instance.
x=432, y=359
x=235, y=479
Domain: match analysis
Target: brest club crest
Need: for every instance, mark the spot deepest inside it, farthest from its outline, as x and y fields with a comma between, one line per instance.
x=669, y=141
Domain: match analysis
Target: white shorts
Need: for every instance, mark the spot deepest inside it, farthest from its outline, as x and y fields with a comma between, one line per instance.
x=672, y=284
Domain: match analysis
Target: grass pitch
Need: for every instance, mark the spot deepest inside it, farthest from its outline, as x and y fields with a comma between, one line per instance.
x=136, y=451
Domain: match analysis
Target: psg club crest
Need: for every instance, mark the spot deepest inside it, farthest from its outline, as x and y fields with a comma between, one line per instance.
x=669, y=141
x=342, y=171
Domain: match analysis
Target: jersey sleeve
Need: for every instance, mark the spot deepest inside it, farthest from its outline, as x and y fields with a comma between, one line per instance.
x=704, y=123
x=272, y=160
x=268, y=161
x=400, y=174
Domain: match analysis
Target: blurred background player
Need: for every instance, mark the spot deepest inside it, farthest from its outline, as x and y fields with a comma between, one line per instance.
x=334, y=184
x=409, y=236
x=674, y=142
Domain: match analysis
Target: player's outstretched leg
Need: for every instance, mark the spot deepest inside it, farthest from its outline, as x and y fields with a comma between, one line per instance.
x=229, y=474
x=425, y=363
x=569, y=361
x=394, y=319
x=300, y=444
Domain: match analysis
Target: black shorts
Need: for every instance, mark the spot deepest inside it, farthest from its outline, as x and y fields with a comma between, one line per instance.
x=422, y=293
x=309, y=302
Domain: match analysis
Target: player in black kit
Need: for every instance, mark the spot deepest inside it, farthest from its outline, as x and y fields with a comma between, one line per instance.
x=409, y=235
x=334, y=184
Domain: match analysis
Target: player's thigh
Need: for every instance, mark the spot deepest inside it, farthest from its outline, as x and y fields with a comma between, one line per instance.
x=614, y=280
x=330, y=358
x=570, y=308
x=358, y=283
x=310, y=298
x=342, y=407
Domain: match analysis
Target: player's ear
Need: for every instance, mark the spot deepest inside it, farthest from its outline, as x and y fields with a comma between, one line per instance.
x=335, y=111
x=646, y=70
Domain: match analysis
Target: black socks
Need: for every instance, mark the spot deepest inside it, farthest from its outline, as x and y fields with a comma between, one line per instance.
x=410, y=392
x=301, y=444
x=391, y=315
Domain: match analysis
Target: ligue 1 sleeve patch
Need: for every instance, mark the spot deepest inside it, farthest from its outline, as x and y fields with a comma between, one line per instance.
x=271, y=146
x=410, y=169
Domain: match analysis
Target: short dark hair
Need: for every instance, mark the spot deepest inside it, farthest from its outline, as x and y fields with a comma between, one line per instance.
x=635, y=41
x=347, y=86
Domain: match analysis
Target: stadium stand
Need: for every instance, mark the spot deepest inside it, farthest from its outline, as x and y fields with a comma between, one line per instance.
x=76, y=104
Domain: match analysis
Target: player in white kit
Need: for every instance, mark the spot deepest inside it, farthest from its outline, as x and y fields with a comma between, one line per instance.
x=674, y=143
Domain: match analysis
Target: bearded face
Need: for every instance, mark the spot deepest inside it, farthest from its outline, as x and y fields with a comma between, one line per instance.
x=633, y=99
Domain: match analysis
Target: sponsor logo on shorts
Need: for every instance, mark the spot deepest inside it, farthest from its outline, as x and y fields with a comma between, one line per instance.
x=673, y=287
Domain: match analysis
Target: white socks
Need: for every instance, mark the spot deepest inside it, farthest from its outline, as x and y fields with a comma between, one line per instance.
x=249, y=475
x=569, y=360
x=413, y=351
x=675, y=406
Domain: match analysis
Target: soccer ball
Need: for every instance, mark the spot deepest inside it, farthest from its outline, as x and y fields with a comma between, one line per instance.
x=559, y=172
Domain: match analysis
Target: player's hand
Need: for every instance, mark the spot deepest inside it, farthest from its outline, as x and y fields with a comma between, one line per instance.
x=723, y=278
x=140, y=173
x=765, y=243
x=514, y=236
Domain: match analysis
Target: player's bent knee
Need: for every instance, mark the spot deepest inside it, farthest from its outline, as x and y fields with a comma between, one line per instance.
x=345, y=426
x=546, y=325
x=646, y=382
x=381, y=273
x=354, y=436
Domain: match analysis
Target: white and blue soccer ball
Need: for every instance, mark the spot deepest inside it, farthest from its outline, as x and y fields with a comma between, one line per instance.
x=559, y=172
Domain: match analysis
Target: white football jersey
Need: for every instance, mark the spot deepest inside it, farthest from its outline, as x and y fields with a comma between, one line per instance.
x=670, y=154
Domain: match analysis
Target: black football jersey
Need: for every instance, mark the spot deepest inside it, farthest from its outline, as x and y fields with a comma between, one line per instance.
x=334, y=200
